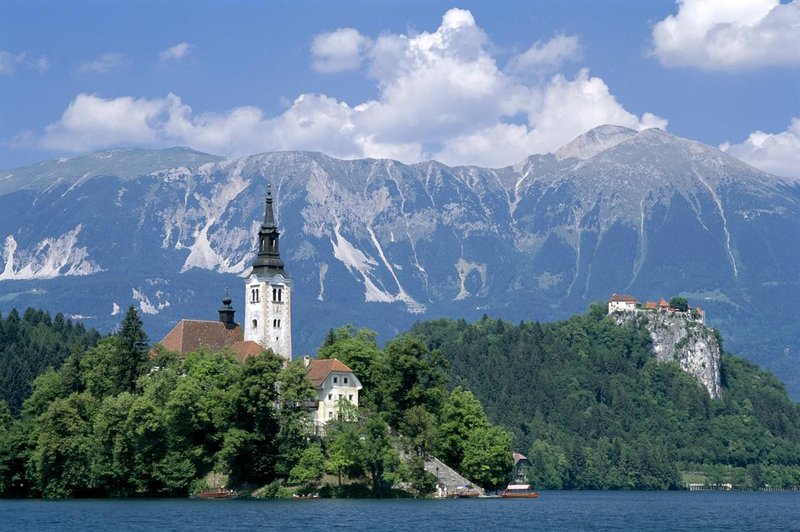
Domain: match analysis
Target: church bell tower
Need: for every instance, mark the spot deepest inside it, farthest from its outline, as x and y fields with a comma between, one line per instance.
x=268, y=290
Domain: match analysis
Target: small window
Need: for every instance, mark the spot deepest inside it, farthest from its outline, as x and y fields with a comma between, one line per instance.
x=350, y=397
x=330, y=397
x=254, y=298
x=336, y=380
x=255, y=324
x=345, y=380
x=330, y=415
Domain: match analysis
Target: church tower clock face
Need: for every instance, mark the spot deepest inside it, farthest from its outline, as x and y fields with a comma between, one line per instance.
x=268, y=290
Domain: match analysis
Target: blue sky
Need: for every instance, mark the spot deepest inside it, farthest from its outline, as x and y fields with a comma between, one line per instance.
x=465, y=83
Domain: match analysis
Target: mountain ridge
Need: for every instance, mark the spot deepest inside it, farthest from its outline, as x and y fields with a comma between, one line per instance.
x=381, y=243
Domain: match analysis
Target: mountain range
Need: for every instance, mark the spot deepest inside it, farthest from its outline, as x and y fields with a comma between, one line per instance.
x=382, y=244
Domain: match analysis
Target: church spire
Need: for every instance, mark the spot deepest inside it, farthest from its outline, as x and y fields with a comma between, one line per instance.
x=226, y=312
x=268, y=261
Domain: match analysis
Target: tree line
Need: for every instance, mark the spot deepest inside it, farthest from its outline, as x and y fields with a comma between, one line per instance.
x=584, y=399
x=32, y=342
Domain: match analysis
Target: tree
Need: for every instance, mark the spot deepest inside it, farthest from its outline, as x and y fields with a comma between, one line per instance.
x=310, y=468
x=249, y=450
x=420, y=430
x=549, y=465
x=422, y=483
x=112, y=461
x=358, y=350
x=679, y=303
x=64, y=447
x=380, y=457
x=487, y=457
x=345, y=449
x=461, y=414
x=132, y=350
x=99, y=372
x=15, y=452
x=47, y=387
x=408, y=374
x=296, y=392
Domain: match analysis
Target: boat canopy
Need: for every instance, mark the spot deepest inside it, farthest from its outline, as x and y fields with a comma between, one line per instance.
x=519, y=487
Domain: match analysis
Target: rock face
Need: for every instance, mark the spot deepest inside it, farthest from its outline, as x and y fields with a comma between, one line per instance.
x=678, y=337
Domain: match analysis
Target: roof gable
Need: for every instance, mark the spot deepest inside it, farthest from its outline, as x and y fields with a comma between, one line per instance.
x=318, y=370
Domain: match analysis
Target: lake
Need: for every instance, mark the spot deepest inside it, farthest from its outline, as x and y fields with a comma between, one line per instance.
x=559, y=510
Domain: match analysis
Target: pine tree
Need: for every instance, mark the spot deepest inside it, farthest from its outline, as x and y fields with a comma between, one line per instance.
x=132, y=350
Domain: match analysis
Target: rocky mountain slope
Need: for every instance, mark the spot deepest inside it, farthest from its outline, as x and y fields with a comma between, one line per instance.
x=381, y=244
x=679, y=338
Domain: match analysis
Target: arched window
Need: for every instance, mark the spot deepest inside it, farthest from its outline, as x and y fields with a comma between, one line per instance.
x=255, y=324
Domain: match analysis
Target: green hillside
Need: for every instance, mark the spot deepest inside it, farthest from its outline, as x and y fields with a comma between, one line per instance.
x=593, y=409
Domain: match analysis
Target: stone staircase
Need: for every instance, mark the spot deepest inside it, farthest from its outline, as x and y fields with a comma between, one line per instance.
x=448, y=477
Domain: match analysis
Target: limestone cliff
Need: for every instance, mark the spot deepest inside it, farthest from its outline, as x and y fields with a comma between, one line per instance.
x=678, y=337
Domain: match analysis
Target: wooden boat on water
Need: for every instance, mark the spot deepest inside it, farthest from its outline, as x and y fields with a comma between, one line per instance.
x=519, y=491
x=217, y=493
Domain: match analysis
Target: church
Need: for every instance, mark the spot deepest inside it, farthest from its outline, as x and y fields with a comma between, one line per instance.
x=267, y=325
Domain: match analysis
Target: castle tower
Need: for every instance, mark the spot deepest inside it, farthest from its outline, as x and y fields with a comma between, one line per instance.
x=268, y=290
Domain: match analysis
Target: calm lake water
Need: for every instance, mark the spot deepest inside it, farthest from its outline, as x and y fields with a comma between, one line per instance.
x=552, y=511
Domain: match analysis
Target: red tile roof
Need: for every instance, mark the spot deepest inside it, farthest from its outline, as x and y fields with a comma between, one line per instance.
x=318, y=370
x=621, y=297
x=191, y=335
x=246, y=349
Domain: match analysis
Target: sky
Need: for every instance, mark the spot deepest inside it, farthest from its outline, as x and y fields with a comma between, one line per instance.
x=484, y=83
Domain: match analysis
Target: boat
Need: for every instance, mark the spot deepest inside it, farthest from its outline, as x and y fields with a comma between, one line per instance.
x=519, y=491
x=216, y=493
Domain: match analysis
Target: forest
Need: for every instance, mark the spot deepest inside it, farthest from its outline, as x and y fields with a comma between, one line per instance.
x=583, y=398
x=32, y=343
x=590, y=406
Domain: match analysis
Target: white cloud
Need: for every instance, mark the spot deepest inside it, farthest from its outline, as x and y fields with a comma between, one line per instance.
x=339, y=51
x=91, y=122
x=729, y=34
x=552, y=53
x=439, y=95
x=179, y=51
x=10, y=61
x=103, y=64
x=777, y=153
